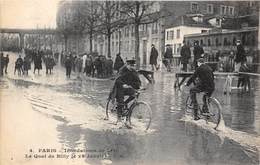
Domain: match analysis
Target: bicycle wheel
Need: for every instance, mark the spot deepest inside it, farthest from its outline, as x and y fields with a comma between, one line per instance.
x=140, y=115
x=214, y=111
x=189, y=106
x=110, y=108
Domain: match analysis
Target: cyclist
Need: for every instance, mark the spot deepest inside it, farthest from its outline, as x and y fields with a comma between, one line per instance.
x=205, y=84
x=126, y=84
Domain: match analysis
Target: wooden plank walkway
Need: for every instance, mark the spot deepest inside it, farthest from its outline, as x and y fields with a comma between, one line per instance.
x=228, y=82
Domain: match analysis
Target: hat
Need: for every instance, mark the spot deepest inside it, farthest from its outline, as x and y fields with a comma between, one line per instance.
x=201, y=60
x=131, y=62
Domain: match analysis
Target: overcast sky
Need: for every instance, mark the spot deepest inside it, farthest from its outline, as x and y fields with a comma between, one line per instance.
x=28, y=13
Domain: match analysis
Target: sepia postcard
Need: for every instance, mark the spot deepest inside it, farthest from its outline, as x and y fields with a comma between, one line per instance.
x=102, y=82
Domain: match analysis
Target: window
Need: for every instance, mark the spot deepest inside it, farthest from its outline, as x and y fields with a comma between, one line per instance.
x=167, y=35
x=170, y=35
x=116, y=35
x=231, y=10
x=225, y=41
x=222, y=9
x=194, y=7
x=133, y=45
x=179, y=48
x=210, y=8
x=126, y=31
x=201, y=42
x=132, y=31
x=178, y=33
x=155, y=28
x=112, y=46
x=217, y=42
x=209, y=44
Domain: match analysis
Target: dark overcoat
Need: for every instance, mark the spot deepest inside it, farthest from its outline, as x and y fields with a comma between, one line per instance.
x=185, y=54
x=153, y=56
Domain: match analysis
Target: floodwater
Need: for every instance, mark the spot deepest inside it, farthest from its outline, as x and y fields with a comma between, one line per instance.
x=67, y=115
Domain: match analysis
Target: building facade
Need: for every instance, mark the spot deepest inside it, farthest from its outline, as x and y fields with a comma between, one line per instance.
x=205, y=14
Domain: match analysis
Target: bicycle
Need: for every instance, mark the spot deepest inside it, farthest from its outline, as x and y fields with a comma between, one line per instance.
x=139, y=113
x=213, y=115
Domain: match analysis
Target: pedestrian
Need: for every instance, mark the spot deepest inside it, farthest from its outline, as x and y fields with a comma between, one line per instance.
x=244, y=79
x=88, y=65
x=109, y=67
x=84, y=57
x=78, y=66
x=38, y=62
x=185, y=55
x=168, y=57
x=50, y=63
x=240, y=56
x=19, y=65
x=118, y=62
x=68, y=65
x=198, y=53
x=26, y=64
x=153, y=57
x=2, y=64
x=6, y=61
x=98, y=66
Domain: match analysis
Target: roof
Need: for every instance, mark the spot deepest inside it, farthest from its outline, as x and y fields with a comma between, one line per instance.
x=188, y=21
x=223, y=31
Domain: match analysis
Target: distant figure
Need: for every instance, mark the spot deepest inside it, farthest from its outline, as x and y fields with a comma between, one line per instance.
x=50, y=63
x=244, y=79
x=78, y=63
x=84, y=57
x=197, y=52
x=19, y=65
x=37, y=63
x=109, y=67
x=240, y=56
x=68, y=65
x=88, y=65
x=118, y=62
x=6, y=61
x=153, y=57
x=185, y=55
x=98, y=66
x=26, y=64
x=2, y=64
x=168, y=57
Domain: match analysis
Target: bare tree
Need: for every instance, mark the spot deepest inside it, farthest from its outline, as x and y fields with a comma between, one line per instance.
x=109, y=20
x=90, y=14
x=138, y=13
x=64, y=22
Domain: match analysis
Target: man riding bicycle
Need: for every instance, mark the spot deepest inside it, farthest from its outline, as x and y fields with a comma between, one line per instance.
x=205, y=84
x=126, y=84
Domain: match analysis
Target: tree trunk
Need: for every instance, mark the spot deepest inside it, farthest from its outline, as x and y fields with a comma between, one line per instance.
x=108, y=45
x=66, y=42
x=77, y=44
x=137, y=41
x=91, y=41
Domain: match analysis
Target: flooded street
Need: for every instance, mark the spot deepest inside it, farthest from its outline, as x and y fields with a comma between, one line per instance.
x=67, y=115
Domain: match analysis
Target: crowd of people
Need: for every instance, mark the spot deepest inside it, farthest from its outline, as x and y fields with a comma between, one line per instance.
x=91, y=65
x=23, y=65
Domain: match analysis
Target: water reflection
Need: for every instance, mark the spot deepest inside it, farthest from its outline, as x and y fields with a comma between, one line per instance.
x=207, y=148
